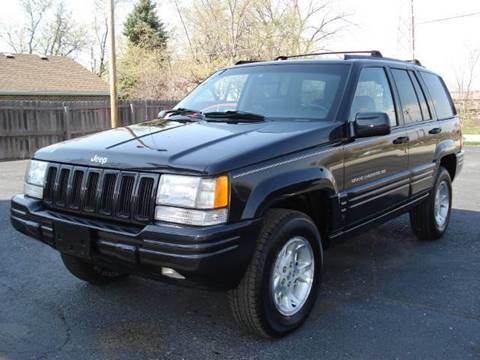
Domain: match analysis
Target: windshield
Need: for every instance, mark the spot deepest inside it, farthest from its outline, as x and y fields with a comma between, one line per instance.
x=306, y=91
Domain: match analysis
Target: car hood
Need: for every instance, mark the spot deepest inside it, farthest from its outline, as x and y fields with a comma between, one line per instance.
x=198, y=147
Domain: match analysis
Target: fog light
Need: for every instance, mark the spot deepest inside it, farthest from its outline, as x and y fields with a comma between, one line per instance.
x=191, y=216
x=172, y=273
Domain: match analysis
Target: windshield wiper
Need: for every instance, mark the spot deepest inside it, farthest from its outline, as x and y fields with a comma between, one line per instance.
x=188, y=114
x=234, y=115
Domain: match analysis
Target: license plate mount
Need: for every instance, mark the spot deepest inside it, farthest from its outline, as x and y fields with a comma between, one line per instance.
x=73, y=240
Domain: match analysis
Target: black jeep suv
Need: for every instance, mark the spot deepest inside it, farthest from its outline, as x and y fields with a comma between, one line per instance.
x=248, y=179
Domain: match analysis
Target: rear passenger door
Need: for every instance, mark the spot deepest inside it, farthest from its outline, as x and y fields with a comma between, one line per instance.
x=422, y=129
x=376, y=168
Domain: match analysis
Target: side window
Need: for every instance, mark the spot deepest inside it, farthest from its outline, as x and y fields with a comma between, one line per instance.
x=408, y=97
x=427, y=115
x=373, y=94
x=441, y=99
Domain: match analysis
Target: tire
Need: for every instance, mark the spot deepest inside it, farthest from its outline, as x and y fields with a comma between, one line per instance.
x=89, y=272
x=253, y=304
x=425, y=224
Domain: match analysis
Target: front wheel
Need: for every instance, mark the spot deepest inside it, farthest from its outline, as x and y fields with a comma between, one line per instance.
x=430, y=219
x=281, y=284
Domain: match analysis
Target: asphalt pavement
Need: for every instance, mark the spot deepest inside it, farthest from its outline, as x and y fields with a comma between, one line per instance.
x=385, y=296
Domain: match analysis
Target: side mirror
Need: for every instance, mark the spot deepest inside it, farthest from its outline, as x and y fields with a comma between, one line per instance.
x=371, y=124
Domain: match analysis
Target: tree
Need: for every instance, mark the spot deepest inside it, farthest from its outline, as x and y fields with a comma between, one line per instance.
x=143, y=28
x=147, y=74
x=218, y=33
x=98, y=45
x=296, y=26
x=62, y=36
x=25, y=38
x=466, y=74
x=49, y=29
x=465, y=78
x=245, y=29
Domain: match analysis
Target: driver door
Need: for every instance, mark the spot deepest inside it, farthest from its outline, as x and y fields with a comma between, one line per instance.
x=376, y=168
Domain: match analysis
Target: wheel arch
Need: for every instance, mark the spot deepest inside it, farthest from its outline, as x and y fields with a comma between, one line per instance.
x=312, y=191
x=445, y=155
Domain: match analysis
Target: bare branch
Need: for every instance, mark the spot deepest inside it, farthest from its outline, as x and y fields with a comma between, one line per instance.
x=34, y=11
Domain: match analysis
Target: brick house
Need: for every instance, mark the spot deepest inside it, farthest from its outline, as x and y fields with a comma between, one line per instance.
x=54, y=78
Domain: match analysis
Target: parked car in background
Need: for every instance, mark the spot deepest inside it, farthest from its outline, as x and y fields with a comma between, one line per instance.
x=244, y=184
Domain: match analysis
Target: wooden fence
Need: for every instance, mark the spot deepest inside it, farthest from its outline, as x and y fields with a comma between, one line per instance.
x=26, y=126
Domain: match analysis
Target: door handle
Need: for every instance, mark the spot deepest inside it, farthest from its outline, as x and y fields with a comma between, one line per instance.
x=435, y=131
x=401, y=140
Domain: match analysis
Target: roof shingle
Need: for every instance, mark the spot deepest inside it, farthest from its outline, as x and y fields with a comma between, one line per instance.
x=25, y=74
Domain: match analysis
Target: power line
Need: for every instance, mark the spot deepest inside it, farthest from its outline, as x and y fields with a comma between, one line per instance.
x=449, y=18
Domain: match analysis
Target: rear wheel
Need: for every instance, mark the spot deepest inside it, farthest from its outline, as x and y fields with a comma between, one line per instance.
x=430, y=219
x=280, y=286
x=89, y=272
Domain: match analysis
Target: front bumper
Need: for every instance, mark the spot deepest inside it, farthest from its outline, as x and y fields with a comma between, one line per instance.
x=211, y=257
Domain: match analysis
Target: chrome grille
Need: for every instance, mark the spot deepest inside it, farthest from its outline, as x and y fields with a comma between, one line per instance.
x=108, y=189
x=104, y=193
x=76, y=192
x=144, y=207
x=125, y=195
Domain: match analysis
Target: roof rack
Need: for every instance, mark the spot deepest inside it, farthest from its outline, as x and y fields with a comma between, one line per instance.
x=241, y=62
x=373, y=53
x=414, y=61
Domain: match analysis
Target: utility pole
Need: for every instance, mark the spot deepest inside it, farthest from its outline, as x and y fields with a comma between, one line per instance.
x=112, y=65
x=412, y=14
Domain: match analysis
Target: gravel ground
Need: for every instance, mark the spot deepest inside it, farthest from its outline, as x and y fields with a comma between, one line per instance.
x=385, y=296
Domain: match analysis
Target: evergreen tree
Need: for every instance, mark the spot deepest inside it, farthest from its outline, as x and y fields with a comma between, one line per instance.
x=143, y=28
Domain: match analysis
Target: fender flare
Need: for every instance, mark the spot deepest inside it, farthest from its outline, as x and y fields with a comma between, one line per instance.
x=288, y=184
x=446, y=147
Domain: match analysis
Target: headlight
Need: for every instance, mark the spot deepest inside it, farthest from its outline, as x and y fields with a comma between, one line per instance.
x=192, y=200
x=35, y=179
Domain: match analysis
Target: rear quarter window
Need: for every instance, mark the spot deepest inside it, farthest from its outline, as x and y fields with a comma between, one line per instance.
x=408, y=97
x=440, y=96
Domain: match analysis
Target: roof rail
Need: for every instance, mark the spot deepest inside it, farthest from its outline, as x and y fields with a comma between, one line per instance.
x=414, y=61
x=241, y=62
x=373, y=53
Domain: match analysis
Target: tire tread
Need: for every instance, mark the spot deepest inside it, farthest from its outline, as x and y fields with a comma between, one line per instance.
x=422, y=216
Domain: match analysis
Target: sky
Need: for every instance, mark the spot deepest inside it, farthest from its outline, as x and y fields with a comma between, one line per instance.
x=442, y=46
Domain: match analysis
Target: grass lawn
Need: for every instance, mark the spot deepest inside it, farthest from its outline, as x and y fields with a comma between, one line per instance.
x=471, y=130
x=471, y=125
